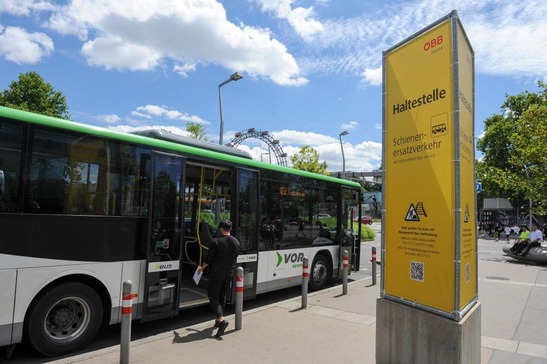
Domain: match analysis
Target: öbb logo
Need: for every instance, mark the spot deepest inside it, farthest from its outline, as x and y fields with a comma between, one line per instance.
x=435, y=42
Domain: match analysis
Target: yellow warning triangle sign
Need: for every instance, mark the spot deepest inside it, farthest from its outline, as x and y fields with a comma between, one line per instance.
x=412, y=215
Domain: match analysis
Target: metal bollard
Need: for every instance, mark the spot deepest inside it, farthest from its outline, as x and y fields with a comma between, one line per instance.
x=239, y=297
x=305, y=279
x=373, y=260
x=345, y=267
x=127, y=312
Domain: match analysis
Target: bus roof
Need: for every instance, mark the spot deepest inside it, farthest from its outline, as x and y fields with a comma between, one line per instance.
x=159, y=143
x=179, y=139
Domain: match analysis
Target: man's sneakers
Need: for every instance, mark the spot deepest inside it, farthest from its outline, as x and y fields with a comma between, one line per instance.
x=221, y=328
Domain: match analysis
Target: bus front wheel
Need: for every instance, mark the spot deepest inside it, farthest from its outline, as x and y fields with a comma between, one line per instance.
x=64, y=319
x=320, y=273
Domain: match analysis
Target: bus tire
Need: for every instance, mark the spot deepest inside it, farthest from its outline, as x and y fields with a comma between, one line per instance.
x=320, y=273
x=64, y=319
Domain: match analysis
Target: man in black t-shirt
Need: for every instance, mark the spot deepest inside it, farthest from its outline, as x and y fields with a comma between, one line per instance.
x=221, y=258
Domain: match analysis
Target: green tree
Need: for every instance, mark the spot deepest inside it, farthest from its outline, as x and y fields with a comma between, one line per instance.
x=515, y=151
x=307, y=159
x=32, y=93
x=196, y=130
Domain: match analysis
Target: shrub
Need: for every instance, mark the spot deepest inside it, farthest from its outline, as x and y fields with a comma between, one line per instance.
x=367, y=233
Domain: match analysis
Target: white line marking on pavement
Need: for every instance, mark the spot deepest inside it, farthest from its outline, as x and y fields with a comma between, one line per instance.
x=517, y=347
x=513, y=283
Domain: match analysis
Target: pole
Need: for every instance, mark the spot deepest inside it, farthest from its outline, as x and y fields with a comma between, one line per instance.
x=345, y=265
x=239, y=297
x=373, y=266
x=305, y=279
x=343, y=159
x=221, y=133
x=127, y=312
x=530, y=205
x=234, y=77
x=529, y=200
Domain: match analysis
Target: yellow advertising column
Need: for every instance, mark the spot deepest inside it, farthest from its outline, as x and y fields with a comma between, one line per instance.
x=429, y=247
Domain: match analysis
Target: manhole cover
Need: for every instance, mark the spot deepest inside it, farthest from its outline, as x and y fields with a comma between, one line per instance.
x=498, y=278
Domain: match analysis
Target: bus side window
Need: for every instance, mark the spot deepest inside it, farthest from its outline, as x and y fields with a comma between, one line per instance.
x=10, y=164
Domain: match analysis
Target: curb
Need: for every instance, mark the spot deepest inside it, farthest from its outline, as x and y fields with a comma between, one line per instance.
x=200, y=326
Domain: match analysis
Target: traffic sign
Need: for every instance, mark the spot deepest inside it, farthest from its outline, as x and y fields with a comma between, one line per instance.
x=479, y=186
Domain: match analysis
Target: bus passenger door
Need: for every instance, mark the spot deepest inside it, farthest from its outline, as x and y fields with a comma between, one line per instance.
x=162, y=273
x=246, y=228
x=351, y=227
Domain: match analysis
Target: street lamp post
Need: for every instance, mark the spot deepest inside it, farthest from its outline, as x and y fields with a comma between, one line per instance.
x=345, y=132
x=530, y=199
x=234, y=77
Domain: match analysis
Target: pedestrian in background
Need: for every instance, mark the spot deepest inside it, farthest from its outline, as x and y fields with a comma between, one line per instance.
x=520, y=242
x=516, y=230
x=535, y=238
x=499, y=229
x=221, y=258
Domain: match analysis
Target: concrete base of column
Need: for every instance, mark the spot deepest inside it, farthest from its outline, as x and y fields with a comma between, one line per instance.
x=405, y=334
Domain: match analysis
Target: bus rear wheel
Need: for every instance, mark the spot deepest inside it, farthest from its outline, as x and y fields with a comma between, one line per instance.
x=321, y=273
x=64, y=319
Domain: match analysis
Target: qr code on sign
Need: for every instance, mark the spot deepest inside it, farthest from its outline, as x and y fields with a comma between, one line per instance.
x=417, y=271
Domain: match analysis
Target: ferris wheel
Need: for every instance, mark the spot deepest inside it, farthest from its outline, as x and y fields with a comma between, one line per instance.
x=264, y=136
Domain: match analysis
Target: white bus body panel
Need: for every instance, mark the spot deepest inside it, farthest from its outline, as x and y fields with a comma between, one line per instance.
x=25, y=283
x=283, y=268
x=8, y=279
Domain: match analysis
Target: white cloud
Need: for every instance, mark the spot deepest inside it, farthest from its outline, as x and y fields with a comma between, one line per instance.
x=509, y=37
x=114, y=52
x=372, y=77
x=184, y=69
x=19, y=46
x=24, y=7
x=365, y=156
x=141, y=114
x=150, y=111
x=141, y=35
x=350, y=125
x=301, y=19
x=110, y=118
x=300, y=138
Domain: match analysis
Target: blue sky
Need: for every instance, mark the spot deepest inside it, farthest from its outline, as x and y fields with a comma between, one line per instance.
x=312, y=69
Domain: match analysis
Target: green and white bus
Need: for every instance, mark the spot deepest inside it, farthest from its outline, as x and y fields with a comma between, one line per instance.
x=83, y=209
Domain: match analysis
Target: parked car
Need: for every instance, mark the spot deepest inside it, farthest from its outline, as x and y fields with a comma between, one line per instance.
x=365, y=220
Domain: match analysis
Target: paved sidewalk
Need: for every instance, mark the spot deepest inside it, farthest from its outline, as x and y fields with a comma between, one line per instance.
x=342, y=328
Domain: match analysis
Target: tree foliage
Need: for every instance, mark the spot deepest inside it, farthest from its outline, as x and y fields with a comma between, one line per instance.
x=515, y=151
x=196, y=130
x=307, y=159
x=32, y=93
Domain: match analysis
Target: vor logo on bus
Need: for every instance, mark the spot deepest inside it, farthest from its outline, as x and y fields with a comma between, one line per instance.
x=292, y=257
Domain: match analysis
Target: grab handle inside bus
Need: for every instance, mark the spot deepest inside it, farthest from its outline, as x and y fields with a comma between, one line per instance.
x=2, y=181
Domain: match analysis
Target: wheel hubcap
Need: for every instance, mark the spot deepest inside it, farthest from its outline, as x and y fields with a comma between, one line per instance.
x=319, y=272
x=67, y=319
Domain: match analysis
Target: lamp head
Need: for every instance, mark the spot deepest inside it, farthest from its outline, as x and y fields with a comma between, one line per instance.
x=236, y=76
